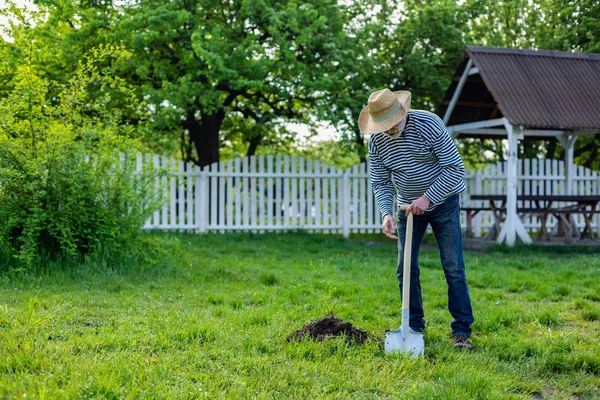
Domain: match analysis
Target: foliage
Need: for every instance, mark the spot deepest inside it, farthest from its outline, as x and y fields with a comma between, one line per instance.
x=402, y=45
x=337, y=153
x=213, y=322
x=568, y=25
x=67, y=165
x=52, y=36
x=213, y=71
x=478, y=153
x=222, y=78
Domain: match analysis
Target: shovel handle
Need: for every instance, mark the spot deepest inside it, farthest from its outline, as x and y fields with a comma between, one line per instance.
x=407, y=259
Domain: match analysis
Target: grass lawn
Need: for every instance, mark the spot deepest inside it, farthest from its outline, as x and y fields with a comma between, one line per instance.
x=213, y=323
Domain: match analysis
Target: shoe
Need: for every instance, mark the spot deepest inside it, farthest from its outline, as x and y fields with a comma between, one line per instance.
x=462, y=342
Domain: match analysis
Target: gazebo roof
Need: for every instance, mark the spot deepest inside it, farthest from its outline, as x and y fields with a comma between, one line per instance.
x=535, y=89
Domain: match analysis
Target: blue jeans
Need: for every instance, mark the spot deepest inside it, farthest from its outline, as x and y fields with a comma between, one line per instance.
x=445, y=222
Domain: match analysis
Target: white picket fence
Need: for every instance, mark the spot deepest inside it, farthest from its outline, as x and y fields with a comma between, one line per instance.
x=266, y=193
x=536, y=177
x=271, y=193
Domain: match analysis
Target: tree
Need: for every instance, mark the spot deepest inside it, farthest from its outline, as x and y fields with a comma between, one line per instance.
x=204, y=69
x=205, y=65
x=402, y=45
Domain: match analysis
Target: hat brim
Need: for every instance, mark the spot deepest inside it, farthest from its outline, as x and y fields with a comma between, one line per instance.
x=368, y=126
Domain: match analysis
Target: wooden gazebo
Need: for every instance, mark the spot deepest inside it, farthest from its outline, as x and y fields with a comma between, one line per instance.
x=524, y=95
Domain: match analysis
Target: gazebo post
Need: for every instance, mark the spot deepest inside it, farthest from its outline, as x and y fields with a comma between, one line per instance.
x=568, y=142
x=513, y=226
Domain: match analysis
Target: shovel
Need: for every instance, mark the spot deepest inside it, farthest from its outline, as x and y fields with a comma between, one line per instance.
x=405, y=339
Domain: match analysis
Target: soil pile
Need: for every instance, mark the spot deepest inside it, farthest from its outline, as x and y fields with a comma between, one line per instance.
x=329, y=327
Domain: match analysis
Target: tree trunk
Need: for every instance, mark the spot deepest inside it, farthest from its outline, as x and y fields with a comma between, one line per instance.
x=254, y=142
x=204, y=135
x=361, y=149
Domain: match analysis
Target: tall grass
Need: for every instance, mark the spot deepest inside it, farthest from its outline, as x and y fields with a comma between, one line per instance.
x=209, y=316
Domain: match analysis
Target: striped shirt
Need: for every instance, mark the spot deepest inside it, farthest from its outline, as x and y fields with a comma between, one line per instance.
x=423, y=160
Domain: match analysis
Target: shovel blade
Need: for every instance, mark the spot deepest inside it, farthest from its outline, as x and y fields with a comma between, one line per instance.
x=405, y=342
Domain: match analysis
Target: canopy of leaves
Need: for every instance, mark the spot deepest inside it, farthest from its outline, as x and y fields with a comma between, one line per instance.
x=222, y=74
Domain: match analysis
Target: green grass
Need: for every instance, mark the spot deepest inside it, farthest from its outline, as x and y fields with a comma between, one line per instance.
x=212, y=323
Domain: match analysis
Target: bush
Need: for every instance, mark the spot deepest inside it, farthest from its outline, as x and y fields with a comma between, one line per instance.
x=69, y=181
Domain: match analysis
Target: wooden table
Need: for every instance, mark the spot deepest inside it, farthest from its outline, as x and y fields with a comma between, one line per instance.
x=543, y=206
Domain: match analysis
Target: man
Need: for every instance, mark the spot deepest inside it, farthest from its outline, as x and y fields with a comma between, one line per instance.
x=413, y=157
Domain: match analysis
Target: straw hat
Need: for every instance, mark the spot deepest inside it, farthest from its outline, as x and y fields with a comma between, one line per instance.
x=384, y=110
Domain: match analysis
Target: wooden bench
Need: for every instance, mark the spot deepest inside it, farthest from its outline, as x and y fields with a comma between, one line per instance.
x=542, y=206
x=563, y=215
x=566, y=226
x=471, y=212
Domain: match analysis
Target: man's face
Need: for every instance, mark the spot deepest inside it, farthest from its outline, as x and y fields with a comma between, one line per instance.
x=395, y=130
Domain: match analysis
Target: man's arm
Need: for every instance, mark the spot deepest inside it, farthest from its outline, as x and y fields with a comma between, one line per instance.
x=383, y=189
x=453, y=170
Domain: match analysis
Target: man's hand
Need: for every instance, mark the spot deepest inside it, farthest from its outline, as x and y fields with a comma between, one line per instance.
x=389, y=226
x=418, y=206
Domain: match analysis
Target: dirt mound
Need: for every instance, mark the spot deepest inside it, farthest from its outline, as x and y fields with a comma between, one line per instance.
x=329, y=327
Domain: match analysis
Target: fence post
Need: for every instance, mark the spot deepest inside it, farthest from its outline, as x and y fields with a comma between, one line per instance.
x=346, y=204
x=201, y=199
x=478, y=217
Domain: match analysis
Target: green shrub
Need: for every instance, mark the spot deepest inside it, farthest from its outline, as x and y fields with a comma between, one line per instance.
x=69, y=176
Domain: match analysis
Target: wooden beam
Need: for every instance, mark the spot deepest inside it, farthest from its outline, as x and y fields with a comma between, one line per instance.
x=457, y=91
x=495, y=112
x=502, y=132
x=484, y=131
x=542, y=132
x=455, y=130
x=586, y=132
